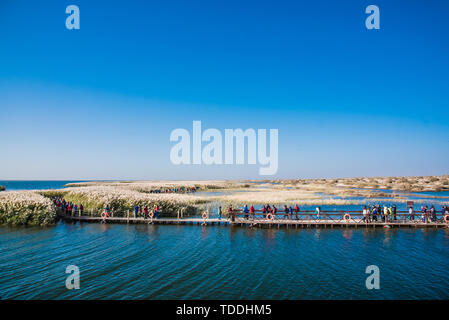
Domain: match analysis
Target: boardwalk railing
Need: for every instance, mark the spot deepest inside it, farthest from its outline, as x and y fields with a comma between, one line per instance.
x=344, y=216
x=302, y=218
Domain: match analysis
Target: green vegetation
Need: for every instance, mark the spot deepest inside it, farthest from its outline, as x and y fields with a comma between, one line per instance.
x=121, y=199
x=26, y=208
x=2, y=188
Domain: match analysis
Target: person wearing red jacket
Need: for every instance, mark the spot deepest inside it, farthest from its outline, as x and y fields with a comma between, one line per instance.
x=252, y=211
x=296, y=211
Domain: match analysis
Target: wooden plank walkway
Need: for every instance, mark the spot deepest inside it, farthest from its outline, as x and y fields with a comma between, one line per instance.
x=148, y=220
x=259, y=222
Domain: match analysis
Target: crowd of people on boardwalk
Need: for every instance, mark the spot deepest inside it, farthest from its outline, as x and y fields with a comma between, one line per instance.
x=69, y=208
x=389, y=214
x=144, y=211
x=174, y=190
x=373, y=213
x=74, y=209
x=288, y=212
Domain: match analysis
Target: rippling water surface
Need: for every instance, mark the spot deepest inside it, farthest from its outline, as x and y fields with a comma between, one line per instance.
x=13, y=185
x=193, y=262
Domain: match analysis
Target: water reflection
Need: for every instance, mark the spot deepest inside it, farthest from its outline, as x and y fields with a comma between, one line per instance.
x=347, y=234
x=191, y=262
x=104, y=227
x=446, y=237
x=204, y=232
x=269, y=235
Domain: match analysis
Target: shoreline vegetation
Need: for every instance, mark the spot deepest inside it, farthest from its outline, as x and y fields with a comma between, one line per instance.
x=26, y=208
x=2, y=188
x=36, y=207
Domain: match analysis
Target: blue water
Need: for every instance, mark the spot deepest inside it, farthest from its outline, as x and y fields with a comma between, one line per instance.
x=13, y=185
x=218, y=262
x=429, y=193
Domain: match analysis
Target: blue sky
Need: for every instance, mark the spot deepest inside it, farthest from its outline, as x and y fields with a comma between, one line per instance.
x=100, y=102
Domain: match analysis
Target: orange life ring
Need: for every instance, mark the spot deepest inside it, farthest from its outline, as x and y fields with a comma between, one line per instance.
x=347, y=217
x=204, y=215
x=270, y=217
x=104, y=215
x=150, y=214
x=446, y=218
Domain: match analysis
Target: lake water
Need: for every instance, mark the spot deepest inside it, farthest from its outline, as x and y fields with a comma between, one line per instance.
x=14, y=185
x=218, y=262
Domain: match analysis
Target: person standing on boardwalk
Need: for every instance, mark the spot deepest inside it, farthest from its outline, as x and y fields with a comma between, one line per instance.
x=274, y=211
x=444, y=211
x=246, y=211
x=231, y=215
x=285, y=212
x=424, y=213
x=411, y=214
x=81, y=210
x=296, y=211
x=385, y=216
x=252, y=211
x=136, y=211
x=219, y=213
x=106, y=210
x=264, y=212
x=145, y=212
x=433, y=214
x=394, y=212
x=365, y=214
x=374, y=213
x=269, y=209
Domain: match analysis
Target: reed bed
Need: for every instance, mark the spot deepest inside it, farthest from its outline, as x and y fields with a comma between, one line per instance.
x=36, y=207
x=122, y=199
x=410, y=184
x=26, y=208
x=150, y=185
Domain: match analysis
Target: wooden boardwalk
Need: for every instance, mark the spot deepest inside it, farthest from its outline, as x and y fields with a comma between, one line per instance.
x=264, y=223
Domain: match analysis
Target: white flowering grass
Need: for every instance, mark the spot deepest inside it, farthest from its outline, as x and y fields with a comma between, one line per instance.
x=36, y=208
x=26, y=208
x=157, y=184
x=411, y=184
x=121, y=199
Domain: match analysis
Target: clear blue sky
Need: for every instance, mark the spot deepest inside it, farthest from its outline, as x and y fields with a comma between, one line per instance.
x=100, y=102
